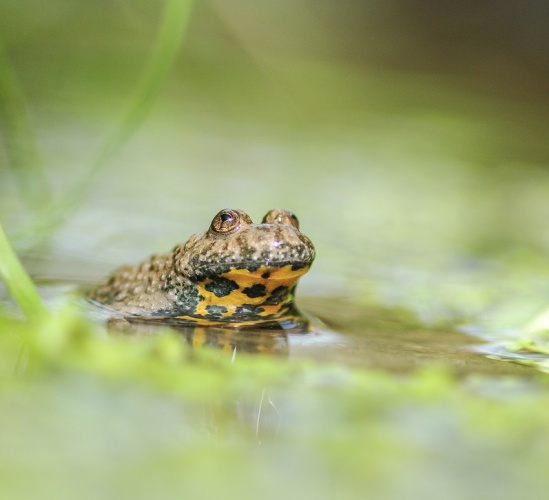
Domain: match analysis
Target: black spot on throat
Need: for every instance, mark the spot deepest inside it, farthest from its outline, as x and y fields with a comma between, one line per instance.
x=254, y=291
x=277, y=296
x=248, y=311
x=221, y=287
x=216, y=310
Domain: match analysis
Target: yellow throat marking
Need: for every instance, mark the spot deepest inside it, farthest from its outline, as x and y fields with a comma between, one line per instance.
x=268, y=288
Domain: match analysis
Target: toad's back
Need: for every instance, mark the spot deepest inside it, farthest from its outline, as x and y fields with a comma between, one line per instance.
x=235, y=273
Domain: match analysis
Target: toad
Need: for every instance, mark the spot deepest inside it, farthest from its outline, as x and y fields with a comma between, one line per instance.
x=235, y=274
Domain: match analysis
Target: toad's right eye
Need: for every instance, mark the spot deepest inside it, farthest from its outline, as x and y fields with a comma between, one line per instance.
x=226, y=221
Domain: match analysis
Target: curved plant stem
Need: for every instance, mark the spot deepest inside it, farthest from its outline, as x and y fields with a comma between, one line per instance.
x=170, y=36
x=18, y=281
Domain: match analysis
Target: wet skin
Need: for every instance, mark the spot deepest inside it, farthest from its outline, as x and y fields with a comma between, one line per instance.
x=235, y=274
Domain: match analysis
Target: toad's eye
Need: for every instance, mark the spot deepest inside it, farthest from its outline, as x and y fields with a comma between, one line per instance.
x=294, y=220
x=278, y=216
x=226, y=221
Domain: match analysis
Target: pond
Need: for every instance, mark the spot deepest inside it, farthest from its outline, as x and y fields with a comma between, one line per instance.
x=417, y=163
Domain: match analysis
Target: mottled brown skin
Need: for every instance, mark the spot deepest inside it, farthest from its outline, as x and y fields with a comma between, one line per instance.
x=236, y=273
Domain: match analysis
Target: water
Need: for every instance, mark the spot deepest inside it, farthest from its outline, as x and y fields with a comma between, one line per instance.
x=359, y=336
x=413, y=144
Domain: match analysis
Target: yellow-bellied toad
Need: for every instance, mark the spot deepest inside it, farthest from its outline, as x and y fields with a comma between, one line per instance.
x=236, y=273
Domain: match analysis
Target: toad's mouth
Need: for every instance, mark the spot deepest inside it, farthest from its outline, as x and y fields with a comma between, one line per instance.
x=274, y=272
x=267, y=269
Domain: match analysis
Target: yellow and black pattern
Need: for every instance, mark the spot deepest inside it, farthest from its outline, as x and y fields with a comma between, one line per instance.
x=243, y=295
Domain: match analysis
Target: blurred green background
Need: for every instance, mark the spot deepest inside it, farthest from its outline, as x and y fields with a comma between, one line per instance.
x=412, y=141
x=410, y=138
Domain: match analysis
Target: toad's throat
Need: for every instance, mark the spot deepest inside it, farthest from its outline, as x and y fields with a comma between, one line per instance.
x=243, y=294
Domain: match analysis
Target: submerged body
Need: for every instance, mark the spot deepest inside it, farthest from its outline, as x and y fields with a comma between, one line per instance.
x=236, y=273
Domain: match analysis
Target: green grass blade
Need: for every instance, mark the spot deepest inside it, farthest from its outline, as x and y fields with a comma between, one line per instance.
x=18, y=281
x=18, y=137
x=169, y=39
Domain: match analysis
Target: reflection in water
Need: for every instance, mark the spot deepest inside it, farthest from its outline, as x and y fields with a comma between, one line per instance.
x=258, y=342
x=272, y=339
